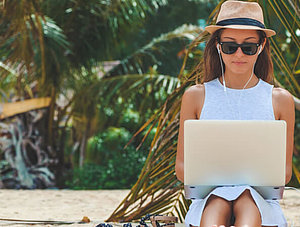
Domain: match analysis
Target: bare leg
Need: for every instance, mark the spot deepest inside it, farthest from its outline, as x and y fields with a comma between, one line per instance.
x=216, y=212
x=245, y=211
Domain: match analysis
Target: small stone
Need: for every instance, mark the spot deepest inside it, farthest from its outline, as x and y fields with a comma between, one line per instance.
x=85, y=219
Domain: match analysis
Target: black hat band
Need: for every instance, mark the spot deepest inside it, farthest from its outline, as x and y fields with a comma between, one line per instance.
x=241, y=21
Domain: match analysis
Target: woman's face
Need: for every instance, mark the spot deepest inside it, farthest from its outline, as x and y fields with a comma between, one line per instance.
x=238, y=62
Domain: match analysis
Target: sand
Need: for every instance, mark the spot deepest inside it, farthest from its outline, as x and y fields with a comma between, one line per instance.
x=97, y=205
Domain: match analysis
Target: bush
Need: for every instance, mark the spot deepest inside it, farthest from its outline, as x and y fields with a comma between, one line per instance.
x=108, y=165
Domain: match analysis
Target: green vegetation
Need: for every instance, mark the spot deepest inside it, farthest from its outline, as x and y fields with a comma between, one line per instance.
x=94, y=60
x=115, y=72
x=107, y=164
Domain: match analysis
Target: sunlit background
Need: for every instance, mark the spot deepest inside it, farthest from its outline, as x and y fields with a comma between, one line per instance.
x=80, y=78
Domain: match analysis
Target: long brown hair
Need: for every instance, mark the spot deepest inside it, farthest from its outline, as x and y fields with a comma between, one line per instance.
x=212, y=69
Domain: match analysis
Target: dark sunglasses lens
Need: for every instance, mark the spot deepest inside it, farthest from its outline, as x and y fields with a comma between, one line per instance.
x=249, y=48
x=229, y=48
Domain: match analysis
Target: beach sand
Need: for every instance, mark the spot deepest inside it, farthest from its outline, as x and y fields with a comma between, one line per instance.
x=97, y=205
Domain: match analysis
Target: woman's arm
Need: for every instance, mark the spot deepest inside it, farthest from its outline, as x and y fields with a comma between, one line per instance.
x=191, y=104
x=284, y=109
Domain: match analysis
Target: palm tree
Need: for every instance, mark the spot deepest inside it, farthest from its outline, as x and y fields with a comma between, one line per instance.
x=49, y=52
x=24, y=32
x=157, y=189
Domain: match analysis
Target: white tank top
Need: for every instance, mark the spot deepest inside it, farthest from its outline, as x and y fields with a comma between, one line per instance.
x=253, y=103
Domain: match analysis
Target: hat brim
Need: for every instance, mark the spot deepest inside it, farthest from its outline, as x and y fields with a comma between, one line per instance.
x=212, y=28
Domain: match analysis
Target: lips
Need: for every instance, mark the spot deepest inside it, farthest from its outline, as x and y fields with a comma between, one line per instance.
x=239, y=62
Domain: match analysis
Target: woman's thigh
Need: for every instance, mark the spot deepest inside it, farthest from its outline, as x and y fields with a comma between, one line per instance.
x=243, y=208
x=245, y=211
x=217, y=211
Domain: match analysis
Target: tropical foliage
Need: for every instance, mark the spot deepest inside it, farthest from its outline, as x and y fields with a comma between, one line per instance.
x=67, y=49
x=64, y=50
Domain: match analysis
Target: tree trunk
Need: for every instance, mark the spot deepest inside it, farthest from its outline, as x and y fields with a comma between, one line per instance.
x=84, y=143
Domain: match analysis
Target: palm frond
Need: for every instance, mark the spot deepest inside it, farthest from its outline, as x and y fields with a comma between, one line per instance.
x=97, y=28
x=290, y=20
x=285, y=16
x=128, y=82
x=139, y=61
x=29, y=41
x=109, y=89
x=131, y=11
x=297, y=173
x=284, y=67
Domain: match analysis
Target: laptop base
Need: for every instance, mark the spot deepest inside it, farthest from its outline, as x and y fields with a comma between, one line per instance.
x=201, y=191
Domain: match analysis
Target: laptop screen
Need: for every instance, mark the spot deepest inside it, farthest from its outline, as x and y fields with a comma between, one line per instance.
x=224, y=152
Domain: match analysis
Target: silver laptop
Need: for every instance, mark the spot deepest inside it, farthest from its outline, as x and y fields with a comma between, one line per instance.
x=225, y=153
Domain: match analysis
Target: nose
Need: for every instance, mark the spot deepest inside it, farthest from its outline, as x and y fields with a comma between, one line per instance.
x=239, y=52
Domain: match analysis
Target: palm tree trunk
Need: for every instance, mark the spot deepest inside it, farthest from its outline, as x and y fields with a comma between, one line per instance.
x=51, y=117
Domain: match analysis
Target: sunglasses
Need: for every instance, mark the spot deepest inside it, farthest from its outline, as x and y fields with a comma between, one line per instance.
x=231, y=47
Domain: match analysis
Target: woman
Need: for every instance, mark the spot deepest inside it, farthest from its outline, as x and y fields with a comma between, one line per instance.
x=238, y=73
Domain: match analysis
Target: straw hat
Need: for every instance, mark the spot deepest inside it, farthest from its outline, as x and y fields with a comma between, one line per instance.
x=240, y=15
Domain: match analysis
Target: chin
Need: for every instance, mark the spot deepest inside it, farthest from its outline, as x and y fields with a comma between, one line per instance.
x=240, y=69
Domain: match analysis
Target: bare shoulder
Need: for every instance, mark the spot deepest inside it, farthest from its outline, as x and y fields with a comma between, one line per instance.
x=283, y=101
x=282, y=96
x=194, y=91
x=193, y=99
